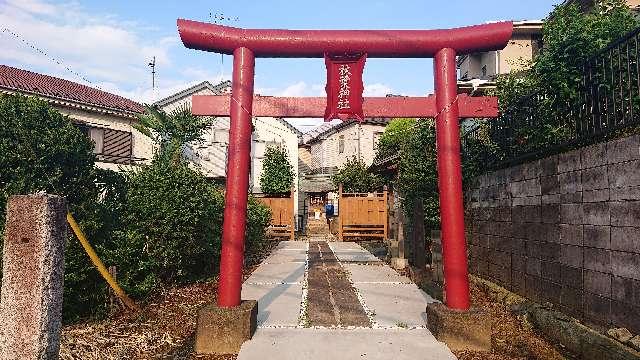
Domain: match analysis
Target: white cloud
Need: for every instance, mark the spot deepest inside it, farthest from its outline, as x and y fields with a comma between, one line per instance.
x=377, y=90
x=297, y=89
x=110, y=53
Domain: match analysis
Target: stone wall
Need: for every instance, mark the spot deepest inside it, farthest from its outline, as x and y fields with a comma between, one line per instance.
x=564, y=230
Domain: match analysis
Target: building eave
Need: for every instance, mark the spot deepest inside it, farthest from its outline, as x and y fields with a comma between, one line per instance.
x=69, y=103
x=216, y=89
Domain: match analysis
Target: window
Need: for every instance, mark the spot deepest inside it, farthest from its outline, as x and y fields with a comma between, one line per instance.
x=97, y=136
x=341, y=144
x=484, y=71
x=110, y=145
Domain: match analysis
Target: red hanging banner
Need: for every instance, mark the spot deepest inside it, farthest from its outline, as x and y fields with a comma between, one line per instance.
x=344, y=87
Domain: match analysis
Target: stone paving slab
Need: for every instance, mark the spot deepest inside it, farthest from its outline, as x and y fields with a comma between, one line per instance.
x=395, y=305
x=292, y=245
x=342, y=344
x=346, y=245
x=286, y=256
x=362, y=273
x=278, y=305
x=395, y=302
x=352, y=252
x=277, y=274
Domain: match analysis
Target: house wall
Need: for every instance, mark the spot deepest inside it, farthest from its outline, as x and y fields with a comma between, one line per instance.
x=273, y=132
x=520, y=49
x=142, y=146
x=565, y=230
x=359, y=140
x=210, y=155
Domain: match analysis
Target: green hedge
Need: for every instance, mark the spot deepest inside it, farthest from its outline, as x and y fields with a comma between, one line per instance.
x=159, y=224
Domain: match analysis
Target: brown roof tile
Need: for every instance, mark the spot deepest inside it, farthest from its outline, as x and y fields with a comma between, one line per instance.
x=28, y=81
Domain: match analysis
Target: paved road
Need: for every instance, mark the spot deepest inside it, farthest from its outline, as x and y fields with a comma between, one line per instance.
x=319, y=300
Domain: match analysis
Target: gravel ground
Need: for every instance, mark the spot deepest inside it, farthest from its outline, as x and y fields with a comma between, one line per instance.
x=512, y=337
x=163, y=329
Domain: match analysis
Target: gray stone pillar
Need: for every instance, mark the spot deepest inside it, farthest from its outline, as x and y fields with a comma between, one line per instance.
x=33, y=275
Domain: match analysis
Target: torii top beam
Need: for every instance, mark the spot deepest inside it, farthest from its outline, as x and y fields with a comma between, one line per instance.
x=315, y=43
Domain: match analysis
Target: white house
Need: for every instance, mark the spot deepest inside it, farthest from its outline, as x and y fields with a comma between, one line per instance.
x=211, y=154
x=108, y=119
x=332, y=148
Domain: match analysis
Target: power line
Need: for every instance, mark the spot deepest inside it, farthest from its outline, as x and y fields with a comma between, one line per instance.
x=49, y=57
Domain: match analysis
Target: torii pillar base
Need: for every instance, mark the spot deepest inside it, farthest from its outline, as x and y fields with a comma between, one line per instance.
x=223, y=330
x=461, y=330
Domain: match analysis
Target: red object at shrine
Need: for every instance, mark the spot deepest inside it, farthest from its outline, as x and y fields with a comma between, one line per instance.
x=443, y=45
x=344, y=87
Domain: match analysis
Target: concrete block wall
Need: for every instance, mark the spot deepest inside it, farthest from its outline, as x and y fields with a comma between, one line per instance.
x=565, y=230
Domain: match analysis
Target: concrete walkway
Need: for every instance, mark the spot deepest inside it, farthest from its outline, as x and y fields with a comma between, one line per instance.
x=395, y=308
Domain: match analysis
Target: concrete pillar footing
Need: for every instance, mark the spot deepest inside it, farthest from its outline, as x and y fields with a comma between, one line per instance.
x=460, y=330
x=223, y=330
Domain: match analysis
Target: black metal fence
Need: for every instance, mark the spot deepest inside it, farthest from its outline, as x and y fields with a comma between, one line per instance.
x=607, y=100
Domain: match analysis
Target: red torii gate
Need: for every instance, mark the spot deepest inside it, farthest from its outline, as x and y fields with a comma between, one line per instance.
x=446, y=106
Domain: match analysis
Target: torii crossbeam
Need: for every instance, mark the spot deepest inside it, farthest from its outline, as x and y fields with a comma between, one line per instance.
x=314, y=107
x=446, y=106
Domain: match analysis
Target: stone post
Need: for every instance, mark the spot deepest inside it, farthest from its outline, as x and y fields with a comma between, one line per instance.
x=399, y=261
x=418, y=255
x=33, y=275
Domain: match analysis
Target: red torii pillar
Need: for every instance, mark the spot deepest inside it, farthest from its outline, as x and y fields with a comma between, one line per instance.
x=446, y=107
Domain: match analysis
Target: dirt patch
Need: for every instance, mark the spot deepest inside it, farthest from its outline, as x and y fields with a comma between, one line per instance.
x=164, y=328
x=332, y=300
x=512, y=337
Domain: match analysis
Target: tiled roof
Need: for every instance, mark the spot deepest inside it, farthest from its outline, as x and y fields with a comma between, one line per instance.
x=23, y=80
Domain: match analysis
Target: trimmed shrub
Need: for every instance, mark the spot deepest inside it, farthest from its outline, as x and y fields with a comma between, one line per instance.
x=173, y=223
x=41, y=150
x=355, y=176
x=159, y=225
x=277, y=172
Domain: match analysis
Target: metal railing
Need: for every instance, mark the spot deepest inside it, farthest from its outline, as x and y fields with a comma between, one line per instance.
x=606, y=101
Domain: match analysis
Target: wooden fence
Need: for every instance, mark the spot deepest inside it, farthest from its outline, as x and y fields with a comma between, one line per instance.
x=282, y=216
x=363, y=215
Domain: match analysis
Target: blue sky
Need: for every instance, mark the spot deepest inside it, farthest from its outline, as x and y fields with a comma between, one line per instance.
x=109, y=43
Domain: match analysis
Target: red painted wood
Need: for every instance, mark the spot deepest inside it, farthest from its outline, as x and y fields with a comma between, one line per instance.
x=314, y=107
x=344, y=87
x=443, y=44
x=454, y=247
x=238, y=170
x=315, y=43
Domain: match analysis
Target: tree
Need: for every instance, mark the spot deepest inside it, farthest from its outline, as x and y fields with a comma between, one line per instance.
x=414, y=140
x=543, y=103
x=277, y=172
x=42, y=150
x=393, y=135
x=570, y=37
x=173, y=213
x=355, y=176
x=173, y=130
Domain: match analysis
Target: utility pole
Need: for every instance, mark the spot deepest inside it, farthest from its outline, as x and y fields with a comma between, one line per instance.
x=152, y=64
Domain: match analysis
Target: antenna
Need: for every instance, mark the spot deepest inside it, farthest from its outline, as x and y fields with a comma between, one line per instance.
x=152, y=64
x=220, y=18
